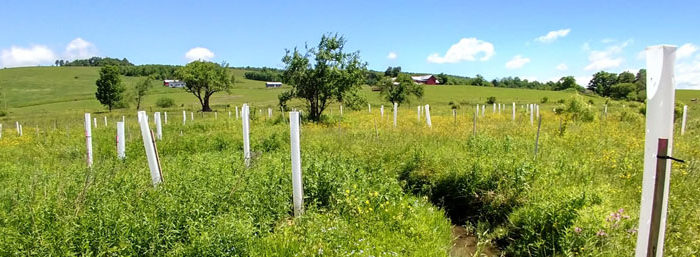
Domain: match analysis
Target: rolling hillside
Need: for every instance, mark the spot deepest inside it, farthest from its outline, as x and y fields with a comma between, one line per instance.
x=40, y=91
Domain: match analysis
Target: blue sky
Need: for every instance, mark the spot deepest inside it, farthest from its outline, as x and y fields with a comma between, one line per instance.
x=540, y=40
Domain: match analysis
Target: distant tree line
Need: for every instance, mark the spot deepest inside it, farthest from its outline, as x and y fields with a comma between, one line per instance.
x=95, y=61
x=126, y=68
x=623, y=86
x=264, y=74
x=155, y=71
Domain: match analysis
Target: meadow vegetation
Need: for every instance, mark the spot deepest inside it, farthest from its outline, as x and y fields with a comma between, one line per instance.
x=370, y=189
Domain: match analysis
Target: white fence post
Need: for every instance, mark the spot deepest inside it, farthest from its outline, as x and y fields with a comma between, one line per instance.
x=537, y=109
x=532, y=112
x=191, y=116
x=341, y=110
x=159, y=127
x=659, y=126
x=88, y=140
x=105, y=121
x=236, y=112
x=94, y=120
x=165, y=116
x=149, y=146
x=513, y=111
x=246, y=134
x=184, y=117
x=396, y=108
x=121, y=141
x=17, y=126
x=381, y=111
x=216, y=115
x=605, y=112
x=427, y=116
x=369, y=108
x=685, y=115
x=297, y=186
x=418, y=112
x=1, y=130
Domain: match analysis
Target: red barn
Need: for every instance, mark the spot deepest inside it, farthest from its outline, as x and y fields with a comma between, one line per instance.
x=425, y=79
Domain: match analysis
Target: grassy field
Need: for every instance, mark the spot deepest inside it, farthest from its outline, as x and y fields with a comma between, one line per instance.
x=39, y=91
x=370, y=189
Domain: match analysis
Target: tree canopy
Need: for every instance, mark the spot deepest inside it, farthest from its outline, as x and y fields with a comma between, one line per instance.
x=203, y=79
x=109, y=86
x=323, y=74
x=626, y=85
x=400, y=90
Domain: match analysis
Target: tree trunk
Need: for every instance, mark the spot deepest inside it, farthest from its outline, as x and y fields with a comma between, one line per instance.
x=205, y=104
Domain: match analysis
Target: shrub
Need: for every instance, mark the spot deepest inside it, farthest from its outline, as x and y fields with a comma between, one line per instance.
x=355, y=102
x=453, y=106
x=491, y=100
x=544, y=100
x=576, y=109
x=165, y=102
x=539, y=229
x=3, y=113
x=631, y=117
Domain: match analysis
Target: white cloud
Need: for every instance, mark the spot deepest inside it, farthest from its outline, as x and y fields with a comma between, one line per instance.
x=583, y=80
x=31, y=56
x=199, y=53
x=80, y=49
x=465, y=50
x=642, y=55
x=517, y=62
x=688, y=74
x=392, y=56
x=606, y=59
x=562, y=67
x=686, y=50
x=553, y=35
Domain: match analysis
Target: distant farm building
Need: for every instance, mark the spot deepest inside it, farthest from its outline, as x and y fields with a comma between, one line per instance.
x=425, y=79
x=273, y=84
x=171, y=83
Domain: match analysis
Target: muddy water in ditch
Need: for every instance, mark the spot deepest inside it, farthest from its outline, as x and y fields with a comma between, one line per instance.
x=464, y=244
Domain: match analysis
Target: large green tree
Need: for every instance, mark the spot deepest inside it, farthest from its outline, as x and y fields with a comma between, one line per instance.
x=323, y=74
x=625, y=77
x=401, y=89
x=109, y=86
x=203, y=79
x=566, y=83
x=602, y=82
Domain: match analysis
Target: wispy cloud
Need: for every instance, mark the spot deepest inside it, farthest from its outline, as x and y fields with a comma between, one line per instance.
x=685, y=51
x=607, y=58
x=562, y=67
x=517, y=62
x=467, y=49
x=392, y=56
x=553, y=35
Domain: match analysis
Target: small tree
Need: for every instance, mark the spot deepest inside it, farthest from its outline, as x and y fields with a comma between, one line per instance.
x=140, y=90
x=401, y=89
x=331, y=74
x=109, y=87
x=203, y=79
